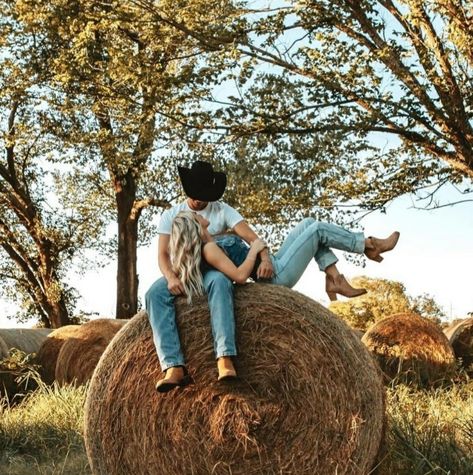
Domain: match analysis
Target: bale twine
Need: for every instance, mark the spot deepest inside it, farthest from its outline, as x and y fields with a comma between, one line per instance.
x=27, y=340
x=411, y=349
x=49, y=351
x=309, y=400
x=80, y=353
x=460, y=336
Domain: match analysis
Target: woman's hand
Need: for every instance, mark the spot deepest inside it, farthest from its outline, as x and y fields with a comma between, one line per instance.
x=257, y=246
x=175, y=286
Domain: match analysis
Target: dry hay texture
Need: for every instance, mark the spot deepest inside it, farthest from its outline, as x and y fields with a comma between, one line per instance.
x=411, y=349
x=310, y=398
x=49, y=351
x=81, y=352
x=28, y=340
x=460, y=336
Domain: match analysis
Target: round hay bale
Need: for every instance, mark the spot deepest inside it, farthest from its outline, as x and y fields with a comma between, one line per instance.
x=27, y=340
x=49, y=351
x=411, y=349
x=80, y=353
x=4, y=350
x=460, y=336
x=359, y=333
x=309, y=399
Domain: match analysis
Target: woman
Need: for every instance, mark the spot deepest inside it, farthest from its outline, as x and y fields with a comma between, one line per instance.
x=192, y=246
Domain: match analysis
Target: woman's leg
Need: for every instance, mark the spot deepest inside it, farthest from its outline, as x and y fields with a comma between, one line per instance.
x=324, y=256
x=315, y=237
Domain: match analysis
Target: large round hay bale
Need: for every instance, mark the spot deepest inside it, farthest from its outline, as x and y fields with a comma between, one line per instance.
x=80, y=354
x=411, y=349
x=49, y=351
x=309, y=400
x=27, y=340
x=460, y=336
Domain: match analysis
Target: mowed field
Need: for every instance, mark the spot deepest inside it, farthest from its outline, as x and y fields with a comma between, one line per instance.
x=429, y=432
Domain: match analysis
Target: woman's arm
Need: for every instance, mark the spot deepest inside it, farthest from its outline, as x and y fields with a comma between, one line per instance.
x=220, y=261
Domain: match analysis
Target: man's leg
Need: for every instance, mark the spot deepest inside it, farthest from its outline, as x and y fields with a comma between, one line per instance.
x=162, y=318
x=219, y=289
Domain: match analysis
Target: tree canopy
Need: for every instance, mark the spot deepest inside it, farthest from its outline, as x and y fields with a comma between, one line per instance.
x=384, y=298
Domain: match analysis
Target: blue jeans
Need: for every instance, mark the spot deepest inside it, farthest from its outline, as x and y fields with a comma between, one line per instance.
x=162, y=317
x=312, y=239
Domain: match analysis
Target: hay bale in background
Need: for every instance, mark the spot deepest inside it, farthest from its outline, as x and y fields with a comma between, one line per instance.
x=359, y=333
x=411, y=348
x=460, y=336
x=310, y=398
x=27, y=340
x=4, y=350
x=17, y=349
x=49, y=351
x=80, y=353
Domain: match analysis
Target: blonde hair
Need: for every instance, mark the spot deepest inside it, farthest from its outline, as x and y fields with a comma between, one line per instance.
x=185, y=248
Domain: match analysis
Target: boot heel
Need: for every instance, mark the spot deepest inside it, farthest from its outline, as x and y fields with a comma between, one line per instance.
x=332, y=296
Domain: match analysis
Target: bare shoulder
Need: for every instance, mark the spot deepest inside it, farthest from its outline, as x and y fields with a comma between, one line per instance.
x=211, y=251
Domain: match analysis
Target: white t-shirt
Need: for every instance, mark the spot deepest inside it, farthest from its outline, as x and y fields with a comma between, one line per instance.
x=221, y=216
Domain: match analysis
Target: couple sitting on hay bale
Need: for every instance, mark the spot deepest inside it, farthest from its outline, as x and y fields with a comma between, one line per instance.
x=197, y=256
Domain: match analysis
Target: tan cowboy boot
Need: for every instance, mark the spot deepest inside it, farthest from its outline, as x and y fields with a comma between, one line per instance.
x=176, y=376
x=374, y=246
x=340, y=285
x=226, y=370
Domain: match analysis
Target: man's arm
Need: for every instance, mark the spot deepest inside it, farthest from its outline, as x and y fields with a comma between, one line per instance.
x=164, y=262
x=265, y=269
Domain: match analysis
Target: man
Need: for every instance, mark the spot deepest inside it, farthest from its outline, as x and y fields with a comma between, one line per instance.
x=204, y=187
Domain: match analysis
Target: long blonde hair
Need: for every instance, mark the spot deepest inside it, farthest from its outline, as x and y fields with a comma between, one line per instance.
x=185, y=248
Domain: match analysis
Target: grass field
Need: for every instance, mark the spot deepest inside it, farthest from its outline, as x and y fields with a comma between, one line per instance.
x=430, y=432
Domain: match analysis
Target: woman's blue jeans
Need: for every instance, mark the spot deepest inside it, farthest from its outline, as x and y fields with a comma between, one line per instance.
x=312, y=239
x=162, y=318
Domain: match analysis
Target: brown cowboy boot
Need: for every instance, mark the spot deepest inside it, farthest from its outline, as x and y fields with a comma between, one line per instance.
x=374, y=246
x=340, y=285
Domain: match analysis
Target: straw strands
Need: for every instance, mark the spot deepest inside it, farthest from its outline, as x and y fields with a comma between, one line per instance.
x=410, y=348
x=80, y=353
x=49, y=351
x=309, y=400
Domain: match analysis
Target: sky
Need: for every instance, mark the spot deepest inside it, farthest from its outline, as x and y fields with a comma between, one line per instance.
x=434, y=255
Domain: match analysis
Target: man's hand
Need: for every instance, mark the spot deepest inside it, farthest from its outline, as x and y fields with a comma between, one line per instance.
x=265, y=269
x=175, y=286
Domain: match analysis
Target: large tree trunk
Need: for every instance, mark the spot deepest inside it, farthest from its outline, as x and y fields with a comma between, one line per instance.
x=127, y=277
x=58, y=315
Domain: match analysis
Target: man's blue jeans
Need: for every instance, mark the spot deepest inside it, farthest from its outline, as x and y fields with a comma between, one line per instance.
x=312, y=239
x=162, y=317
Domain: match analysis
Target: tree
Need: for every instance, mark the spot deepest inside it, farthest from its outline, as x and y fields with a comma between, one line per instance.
x=39, y=234
x=384, y=298
x=120, y=89
x=364, y=70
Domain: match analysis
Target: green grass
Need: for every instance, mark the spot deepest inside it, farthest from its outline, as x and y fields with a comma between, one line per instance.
x=43, y=434
x=430, y=432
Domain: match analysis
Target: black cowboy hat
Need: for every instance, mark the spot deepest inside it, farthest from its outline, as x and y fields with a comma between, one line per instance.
x=201, y=182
